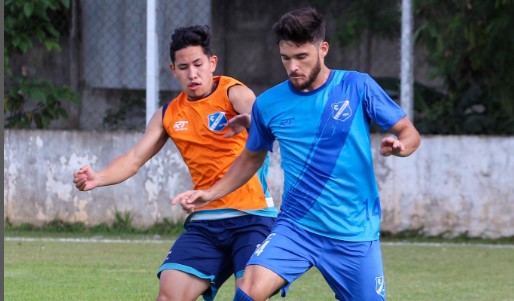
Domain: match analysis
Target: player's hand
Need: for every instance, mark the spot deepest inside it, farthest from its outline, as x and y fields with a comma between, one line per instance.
x=391, y=146
x=237, y=124
x=192, y=199
x=85, y=178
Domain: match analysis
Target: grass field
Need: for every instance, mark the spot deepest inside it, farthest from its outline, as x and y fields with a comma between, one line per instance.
x=64, y=268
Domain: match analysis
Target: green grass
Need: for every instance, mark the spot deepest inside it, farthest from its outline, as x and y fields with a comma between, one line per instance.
x=471, y=272
x=81, y=271
x=58, y=270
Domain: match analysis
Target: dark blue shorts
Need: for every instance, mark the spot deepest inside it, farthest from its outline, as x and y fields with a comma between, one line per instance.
x=216, y=249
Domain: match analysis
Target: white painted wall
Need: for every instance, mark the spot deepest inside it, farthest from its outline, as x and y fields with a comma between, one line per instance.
x=453, y=185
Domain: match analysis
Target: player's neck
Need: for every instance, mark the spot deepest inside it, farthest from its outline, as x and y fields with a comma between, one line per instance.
x=213, y=86
x=322, y=77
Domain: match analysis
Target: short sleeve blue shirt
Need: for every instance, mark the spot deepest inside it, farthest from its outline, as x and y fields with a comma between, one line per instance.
x=324, y=139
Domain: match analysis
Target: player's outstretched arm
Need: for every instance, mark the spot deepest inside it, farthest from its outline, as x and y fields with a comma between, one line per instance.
x=126, y=165
x=406, y=141
x=241, y=170
x=192, y=199
x=85, y=178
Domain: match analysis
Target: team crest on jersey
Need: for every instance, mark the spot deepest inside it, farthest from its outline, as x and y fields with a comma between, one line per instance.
x=180, y=125
x=217, y=121
x=380, y=286
x=341, y=110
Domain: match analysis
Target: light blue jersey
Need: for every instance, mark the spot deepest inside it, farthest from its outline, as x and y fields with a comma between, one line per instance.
x=329, y=182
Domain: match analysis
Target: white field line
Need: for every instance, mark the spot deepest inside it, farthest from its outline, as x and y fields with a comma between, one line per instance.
x=434, y=244
x=89, y=240
x=159, y=241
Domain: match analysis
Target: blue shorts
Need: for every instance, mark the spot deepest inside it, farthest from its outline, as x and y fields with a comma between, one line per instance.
x=216, y=249
x=352, y=269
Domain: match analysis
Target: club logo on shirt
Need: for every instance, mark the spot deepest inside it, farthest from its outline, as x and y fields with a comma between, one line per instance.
x=180, y=125
x=380, y=286
x=217, y=121
x=341, y=110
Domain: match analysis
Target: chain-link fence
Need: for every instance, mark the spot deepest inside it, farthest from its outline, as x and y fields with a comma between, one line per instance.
x=104, y=52
x=113, y=56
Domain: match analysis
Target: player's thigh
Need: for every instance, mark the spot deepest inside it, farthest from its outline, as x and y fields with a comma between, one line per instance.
x=178, y=285
x=246, y=239
x=194, y=253
x=354, y=270
x=288, y=252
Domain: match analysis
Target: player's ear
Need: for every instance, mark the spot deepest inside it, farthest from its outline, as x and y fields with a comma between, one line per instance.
x=213, y=60
x=172, y=68
x=323, y=47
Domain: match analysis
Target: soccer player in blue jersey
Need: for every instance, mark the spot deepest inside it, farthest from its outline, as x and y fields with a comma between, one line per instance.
x=330, y=213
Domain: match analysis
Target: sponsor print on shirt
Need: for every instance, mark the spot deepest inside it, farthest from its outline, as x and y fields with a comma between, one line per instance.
x=180, y=125
x=217, y=121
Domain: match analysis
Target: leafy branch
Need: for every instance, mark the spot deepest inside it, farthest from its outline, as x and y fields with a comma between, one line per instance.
x=29, y=100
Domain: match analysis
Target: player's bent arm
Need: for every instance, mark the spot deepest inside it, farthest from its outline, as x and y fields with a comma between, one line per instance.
x=407, y=136
x=128, y=164
x=242, y=98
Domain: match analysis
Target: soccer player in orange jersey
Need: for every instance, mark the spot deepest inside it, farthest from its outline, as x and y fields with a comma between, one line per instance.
x=207, y=122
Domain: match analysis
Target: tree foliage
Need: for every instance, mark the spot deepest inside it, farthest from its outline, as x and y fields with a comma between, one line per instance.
x=365, y=20
x=30, y=101
x=470, y=45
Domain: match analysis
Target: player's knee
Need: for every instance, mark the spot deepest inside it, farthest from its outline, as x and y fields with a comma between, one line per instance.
x=162, y=297
x=254, y=292
x=165, y=296
x=165, y=293
x=241, y=295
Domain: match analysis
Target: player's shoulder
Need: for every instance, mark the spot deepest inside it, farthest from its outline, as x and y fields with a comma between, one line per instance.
x=351, y=75
x=173, y=106
x=351, y=78
x=228, y=81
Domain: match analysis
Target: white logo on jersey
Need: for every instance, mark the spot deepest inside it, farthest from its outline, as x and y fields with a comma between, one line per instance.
x=341, y=110
x=180, y=125
x=380, y=285
x=261, y=247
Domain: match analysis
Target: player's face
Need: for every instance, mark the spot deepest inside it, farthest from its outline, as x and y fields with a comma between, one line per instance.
x=194, y=71
x=303, y=63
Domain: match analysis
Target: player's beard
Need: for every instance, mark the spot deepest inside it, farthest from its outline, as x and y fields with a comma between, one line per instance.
x=312, y=77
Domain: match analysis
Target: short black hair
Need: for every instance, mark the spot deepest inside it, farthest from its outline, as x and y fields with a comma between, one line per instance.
x=300, y=26
x=197, y=35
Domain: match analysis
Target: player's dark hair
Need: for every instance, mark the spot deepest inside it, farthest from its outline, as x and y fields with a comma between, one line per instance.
x=304, y=25
x=198, y=35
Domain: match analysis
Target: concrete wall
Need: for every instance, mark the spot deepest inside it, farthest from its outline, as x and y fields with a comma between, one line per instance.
x=453, y=185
